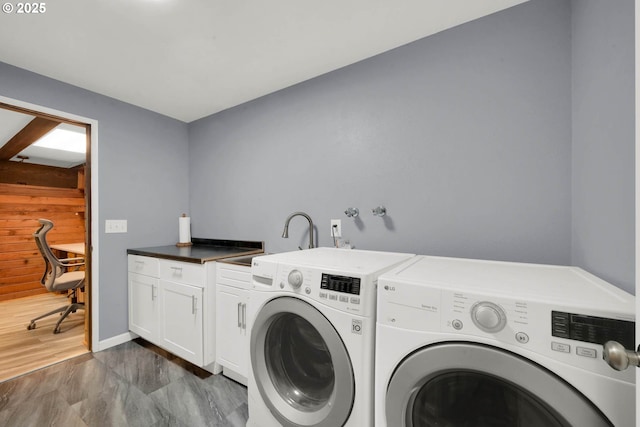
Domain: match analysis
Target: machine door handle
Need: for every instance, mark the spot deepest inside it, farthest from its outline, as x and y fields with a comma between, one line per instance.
x=618, y=357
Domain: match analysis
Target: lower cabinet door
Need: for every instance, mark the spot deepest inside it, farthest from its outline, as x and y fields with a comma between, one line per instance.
x=181, y=320
x=231, y=329
x=143, y=305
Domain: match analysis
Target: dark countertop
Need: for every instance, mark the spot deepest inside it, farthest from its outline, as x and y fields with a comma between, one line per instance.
x=242, y=260
x=202, y=250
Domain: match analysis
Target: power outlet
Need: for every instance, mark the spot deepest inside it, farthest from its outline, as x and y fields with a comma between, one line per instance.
x=336, y=228
x=115, y=226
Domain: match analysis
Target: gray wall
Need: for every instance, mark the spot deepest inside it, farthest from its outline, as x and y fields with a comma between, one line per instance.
x=603, y=139
x=464, y=136
x=142, y=177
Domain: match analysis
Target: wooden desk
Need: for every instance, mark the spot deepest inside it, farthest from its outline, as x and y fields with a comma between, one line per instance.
x=71, y=248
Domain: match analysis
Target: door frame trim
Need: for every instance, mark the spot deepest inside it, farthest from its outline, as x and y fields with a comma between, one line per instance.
x=93, y=243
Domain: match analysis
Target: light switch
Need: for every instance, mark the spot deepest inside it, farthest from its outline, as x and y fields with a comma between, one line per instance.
x=115, y=226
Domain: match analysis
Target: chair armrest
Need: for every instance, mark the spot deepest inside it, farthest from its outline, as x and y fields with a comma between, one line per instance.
x=71, y=259
x=65, y=262
x=77, y=264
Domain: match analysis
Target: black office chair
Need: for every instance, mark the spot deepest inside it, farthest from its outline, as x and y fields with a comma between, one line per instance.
x=59, y=275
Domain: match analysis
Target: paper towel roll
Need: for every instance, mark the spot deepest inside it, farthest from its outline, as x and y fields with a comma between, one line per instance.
x=184, y=227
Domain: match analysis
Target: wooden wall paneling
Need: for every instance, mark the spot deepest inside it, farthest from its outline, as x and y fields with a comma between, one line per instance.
x=31, y=174
x=21, y=206
x=80, y=177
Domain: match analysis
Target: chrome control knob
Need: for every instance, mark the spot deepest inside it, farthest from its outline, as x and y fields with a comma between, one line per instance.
x=488, y=317
x=618, y=357
x=295, y=279
x=352, y=212
x=379, y=211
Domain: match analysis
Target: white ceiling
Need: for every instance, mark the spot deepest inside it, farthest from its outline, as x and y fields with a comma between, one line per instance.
x=191, y=58
x=12, y=122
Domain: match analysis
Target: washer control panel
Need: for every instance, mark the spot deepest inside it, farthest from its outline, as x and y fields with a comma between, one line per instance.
x=344, y=292
x=295, y=279
x=342, y=284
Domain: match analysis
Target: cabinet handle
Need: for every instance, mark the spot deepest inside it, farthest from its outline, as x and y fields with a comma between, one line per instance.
x=153, y=292
x=244, y=316
x=194, y=301
x=239, y=315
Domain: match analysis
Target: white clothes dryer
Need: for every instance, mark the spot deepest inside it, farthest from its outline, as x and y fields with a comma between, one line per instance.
x=312, y=320
x=464, y=342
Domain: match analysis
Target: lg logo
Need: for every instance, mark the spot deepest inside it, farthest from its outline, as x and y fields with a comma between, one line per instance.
x=356, y=327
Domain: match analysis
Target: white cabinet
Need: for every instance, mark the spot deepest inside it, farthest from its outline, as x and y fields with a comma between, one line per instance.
x=171, y=304
x=232, y=295
x=143, y=305
x=181, y=321
x=231, y=331
x=144, y=273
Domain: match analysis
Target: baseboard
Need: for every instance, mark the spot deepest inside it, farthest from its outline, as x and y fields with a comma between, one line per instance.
x=114, y=341
x=235, y=376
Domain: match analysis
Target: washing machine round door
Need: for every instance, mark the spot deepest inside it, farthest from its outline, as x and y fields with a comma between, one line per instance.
x=301, y=366
x=466, y=384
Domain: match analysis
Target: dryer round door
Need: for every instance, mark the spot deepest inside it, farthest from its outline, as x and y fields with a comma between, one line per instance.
x=465, y=384
x=301, y=366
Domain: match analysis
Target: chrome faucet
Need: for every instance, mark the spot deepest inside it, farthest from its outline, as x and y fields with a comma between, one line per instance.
x=285, y=232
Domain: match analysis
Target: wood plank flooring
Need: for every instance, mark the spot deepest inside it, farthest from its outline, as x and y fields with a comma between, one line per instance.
x=23, y=351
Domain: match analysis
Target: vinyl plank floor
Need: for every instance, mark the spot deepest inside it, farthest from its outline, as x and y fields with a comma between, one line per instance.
x=133, y=384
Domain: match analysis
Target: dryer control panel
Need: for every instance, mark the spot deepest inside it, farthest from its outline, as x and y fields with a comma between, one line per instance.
x=592, y=329
x=525, y=327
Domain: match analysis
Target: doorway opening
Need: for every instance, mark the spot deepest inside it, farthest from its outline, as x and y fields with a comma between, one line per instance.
x=37, y=182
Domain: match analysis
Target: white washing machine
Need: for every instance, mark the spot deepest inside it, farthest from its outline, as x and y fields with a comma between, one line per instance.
x=480, y=343
x=312, y=320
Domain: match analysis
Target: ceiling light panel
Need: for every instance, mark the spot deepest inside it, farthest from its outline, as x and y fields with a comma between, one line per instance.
x=64, y=138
